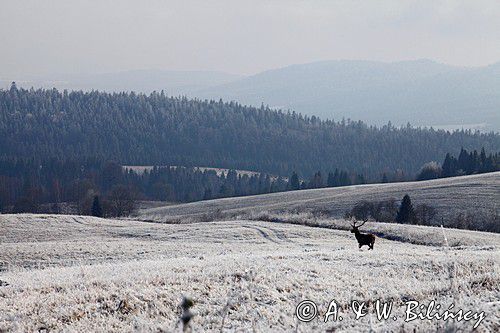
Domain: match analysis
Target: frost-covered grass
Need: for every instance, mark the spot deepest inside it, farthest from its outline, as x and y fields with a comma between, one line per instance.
x=450, y=196
x=73, y=273
x=421, y=235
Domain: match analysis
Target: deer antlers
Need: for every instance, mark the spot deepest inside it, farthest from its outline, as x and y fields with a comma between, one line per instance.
x=363, y=239
x=354, y=220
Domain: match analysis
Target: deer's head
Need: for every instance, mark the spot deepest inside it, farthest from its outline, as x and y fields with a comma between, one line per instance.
x=354, y=226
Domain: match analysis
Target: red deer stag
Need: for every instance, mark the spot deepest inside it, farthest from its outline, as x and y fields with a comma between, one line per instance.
x=363, y=239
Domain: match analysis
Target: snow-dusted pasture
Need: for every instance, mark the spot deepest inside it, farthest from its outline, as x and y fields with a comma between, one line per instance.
x=450, y=196
x=72, y=273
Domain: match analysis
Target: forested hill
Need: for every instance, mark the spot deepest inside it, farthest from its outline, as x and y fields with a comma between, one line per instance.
x=137, y=129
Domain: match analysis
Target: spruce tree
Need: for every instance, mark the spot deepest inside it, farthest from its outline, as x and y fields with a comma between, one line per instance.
x=317, y=181
x=208, y=194
x=384, y=178
x=336, y=178
x=330, y=182
x=405, y=212
x=294, y=182
x=463, y=161
x=96, y=207
x=482, y=161
x=449, y=166
x=345, y=180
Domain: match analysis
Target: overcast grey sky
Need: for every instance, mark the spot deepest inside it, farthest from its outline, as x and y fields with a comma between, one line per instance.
x=245, y=37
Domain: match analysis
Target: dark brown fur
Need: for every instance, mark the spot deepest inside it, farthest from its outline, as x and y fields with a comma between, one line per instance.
x=363, y=239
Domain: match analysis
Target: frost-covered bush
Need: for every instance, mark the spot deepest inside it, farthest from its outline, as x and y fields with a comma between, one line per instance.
x=431, y=170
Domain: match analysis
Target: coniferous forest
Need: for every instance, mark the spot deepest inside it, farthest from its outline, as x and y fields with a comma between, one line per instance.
x=60, y=147
x=137, y=129
x=28, y=185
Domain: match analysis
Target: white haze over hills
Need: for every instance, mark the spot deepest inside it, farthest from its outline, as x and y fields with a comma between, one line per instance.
x=146, y=81
x=422, y=92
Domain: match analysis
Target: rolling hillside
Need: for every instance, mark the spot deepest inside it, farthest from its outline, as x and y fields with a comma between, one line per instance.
x=476, y=193
x=74, y=273
x=158, y=130
x=421, y=92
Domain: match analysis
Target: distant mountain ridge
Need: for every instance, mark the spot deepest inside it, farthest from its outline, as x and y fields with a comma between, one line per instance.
x=422, y=92
x=145, y=81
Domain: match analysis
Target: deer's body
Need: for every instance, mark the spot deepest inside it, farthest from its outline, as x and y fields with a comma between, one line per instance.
x=363, y=239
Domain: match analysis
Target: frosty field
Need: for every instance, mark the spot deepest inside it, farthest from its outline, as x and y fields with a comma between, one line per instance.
x=476, y=193
x=73, y=273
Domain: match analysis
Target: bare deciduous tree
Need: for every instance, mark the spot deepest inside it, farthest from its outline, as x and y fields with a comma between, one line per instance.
x=425, y=214
x=121, y=201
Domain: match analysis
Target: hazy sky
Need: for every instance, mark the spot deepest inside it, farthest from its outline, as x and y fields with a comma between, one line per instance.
x=78, y=36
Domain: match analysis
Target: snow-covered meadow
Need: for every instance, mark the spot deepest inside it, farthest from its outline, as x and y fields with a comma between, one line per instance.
x=72, y=273
x=475, y=194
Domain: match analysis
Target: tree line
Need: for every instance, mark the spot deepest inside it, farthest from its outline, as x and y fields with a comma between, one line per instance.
x=467, y=163
x=31, y=185
x=104, y=188
x=406, y=212
x=155, y=129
